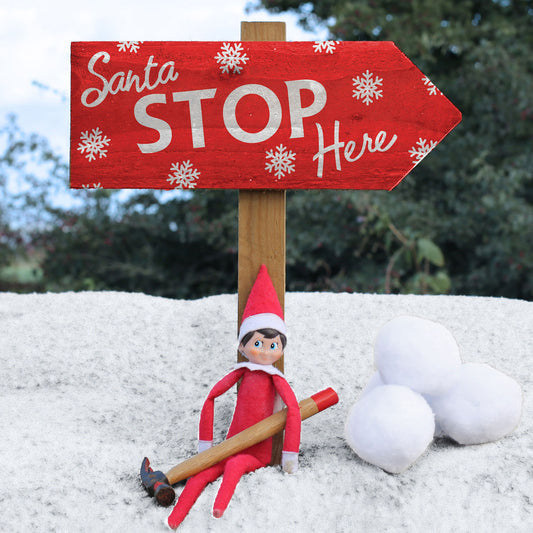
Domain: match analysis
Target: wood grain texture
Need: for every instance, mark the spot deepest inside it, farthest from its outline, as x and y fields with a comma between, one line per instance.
x=263, y=31
x=262, y=240
x=262, y=214
x=262, y=221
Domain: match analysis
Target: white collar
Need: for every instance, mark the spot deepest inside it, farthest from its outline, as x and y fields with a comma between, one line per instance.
x=269, y=369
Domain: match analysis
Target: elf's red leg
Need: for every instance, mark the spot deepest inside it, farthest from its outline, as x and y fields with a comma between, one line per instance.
x=235, y=468
x=193, y=488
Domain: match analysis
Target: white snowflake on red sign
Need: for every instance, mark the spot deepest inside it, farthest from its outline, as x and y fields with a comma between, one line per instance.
x=366, y=87
x=183, y=175
x=231, y=57
x=431, y=88
x=129, y=46
x=280, y=161
x=421, y=150
x=92, y=144
x=325, y=46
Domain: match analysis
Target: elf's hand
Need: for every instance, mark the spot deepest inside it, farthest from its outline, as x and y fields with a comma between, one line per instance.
x=289, y=462
x=204, y=445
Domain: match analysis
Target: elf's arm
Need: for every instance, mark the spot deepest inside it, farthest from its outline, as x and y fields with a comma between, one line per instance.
x=291, y=442
x=207, y=415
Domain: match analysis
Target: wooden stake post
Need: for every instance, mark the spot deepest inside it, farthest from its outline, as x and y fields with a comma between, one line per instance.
x=262, y=224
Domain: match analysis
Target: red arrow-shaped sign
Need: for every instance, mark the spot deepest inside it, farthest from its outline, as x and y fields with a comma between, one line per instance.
x=250, y=115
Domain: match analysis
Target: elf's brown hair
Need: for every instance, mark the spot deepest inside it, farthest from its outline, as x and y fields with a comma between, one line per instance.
x=268, y=333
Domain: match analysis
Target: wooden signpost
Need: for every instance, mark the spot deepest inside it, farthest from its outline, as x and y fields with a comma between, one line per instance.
x=250, y=114
x=260, y=115
x=262, y=218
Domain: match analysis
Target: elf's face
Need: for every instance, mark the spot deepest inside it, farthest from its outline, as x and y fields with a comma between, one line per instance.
x=261, y=350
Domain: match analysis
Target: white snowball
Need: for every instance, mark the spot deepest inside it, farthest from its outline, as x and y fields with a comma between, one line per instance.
x=418, y=353
x=390, y=427
x=484, y=405
x=374, y=381
x=438, y=430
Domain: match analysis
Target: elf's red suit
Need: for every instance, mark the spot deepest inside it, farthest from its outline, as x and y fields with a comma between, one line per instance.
x=261, y=337
x=255, y=401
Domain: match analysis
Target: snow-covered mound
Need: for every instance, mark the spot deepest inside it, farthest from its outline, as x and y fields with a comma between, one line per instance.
x=90, y=383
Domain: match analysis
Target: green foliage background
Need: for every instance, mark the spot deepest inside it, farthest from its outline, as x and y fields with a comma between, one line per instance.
x=460, y=223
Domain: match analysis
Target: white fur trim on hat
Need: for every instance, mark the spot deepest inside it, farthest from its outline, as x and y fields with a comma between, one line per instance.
x=261, y=321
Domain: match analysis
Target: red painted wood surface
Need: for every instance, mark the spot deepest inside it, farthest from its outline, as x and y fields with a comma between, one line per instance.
x=250, y=115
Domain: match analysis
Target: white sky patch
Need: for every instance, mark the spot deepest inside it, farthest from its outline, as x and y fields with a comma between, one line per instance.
x=35, y=42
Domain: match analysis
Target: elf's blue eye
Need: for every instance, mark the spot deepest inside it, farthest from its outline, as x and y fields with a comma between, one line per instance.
x=258, y=344
x=274, y=346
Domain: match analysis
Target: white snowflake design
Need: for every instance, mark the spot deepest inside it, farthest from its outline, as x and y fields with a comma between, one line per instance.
x=93, y=144
x=281, y=161
x=366, y=87
x=183, y=175
x=129, y=46
x=231, y=57
x=421, y=150
x=93, y=186
x=430, y=86
x=325, y=46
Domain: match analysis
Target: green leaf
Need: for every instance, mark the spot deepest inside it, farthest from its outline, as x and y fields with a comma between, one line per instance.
x=427, y=249
x=440, y=283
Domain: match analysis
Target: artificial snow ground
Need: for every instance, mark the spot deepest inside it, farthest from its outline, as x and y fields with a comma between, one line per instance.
x=92, y=382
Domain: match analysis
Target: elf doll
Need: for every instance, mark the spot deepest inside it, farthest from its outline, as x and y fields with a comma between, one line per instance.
x=262, y=339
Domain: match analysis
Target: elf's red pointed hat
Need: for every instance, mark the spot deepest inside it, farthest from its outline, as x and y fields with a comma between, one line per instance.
x=263, y=309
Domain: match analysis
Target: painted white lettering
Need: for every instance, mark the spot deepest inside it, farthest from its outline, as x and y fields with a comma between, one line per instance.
x=336, y=146
x=368, y=144
x=144, y=119
x=164, y=77
x=147, y=69
x=230, y=119
x=117, y=78
x=381, y=137
x=195, y=112
x=123, y=82
x=101, y=94
x=348, y=150
x=130, y=80
x=297, y=112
